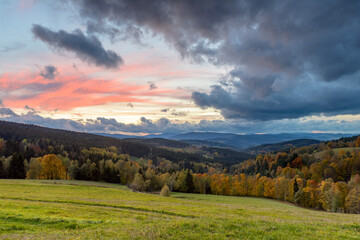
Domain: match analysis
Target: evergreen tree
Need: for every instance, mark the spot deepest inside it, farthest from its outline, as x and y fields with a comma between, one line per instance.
x=2, y=170
x=17, y=168
x=189, y=182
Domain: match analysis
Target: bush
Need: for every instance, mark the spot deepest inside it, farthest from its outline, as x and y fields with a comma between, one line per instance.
x=165, y=191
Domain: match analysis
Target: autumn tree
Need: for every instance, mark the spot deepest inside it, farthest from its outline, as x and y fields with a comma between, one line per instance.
x=154, y=180
x=139, y=184
x=352, y=201
x=52, y=167
x=357, y=143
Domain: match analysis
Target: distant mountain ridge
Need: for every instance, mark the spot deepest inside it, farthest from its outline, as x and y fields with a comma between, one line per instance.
x=240, y=142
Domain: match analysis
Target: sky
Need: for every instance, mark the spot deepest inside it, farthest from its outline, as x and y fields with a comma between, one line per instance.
x=146, y=67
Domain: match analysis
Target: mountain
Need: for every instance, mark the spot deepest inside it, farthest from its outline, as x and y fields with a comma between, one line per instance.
x=249, y=140
x=234, y=141
x=282, y=146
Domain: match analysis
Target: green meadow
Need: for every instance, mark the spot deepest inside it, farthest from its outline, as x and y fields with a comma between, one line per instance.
x=39, y=209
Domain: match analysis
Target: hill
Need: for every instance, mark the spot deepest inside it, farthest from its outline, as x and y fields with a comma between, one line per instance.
x=227, y=157
x=141, y=148
x=90, y=210
x=235, y=141
x=282, y=146
x=18, y=132
x=204, y=143
x=160, y=142
x=250, y=140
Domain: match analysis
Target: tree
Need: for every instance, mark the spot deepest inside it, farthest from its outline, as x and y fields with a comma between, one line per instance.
x=2, y=169
x=153, y=178
x=181, y=185
x=34, y=169
x=357, y=143
x=139, y=184
x=74, y=169
x=340, y=194
x=189, y=182
x=165, y=191
x=17, y=167
x=352, y=201
x=327, y=194
x=52, y=167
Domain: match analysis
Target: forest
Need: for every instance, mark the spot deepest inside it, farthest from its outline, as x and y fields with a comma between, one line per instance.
x=320, y=176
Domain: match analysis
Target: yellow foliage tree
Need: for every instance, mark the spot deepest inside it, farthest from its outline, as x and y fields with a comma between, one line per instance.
x=357, y=143
x=52, y=167
x=269, y=188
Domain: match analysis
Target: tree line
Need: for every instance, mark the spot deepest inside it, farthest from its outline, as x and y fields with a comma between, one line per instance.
x=319, y=176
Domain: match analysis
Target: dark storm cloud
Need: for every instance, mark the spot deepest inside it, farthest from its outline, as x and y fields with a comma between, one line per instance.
x=49, y=72
x=87, y=48
x=290, y=58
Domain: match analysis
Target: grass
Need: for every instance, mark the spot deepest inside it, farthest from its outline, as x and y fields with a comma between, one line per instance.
x=38, y=209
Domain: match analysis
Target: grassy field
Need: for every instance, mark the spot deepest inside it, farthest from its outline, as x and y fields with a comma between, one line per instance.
x=37, y=209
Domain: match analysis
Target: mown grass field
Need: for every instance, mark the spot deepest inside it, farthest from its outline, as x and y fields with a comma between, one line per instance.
x=38, y=209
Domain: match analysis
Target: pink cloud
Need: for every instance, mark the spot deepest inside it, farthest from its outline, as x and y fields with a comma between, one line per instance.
x=68, y=91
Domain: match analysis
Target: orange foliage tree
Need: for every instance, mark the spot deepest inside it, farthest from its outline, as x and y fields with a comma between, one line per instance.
x=52, y=167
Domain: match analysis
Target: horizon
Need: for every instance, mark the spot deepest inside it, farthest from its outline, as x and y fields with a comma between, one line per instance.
x=174, y=134
x=168, y=68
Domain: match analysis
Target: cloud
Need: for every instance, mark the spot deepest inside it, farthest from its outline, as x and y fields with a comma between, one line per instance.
x=152, y=85
x=49, y=72
x=289, y=58
x=7, y=112
x=174, y=112
x=70, y=90
x=87, y=48
x=179, y=114
x=164, y=125
x=304, y=98
x=32, y=110
x=12, y=47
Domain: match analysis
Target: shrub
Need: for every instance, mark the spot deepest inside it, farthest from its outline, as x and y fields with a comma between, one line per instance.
x=165, y=191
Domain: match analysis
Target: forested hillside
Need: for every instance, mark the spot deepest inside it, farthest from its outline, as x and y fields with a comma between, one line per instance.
x=321, y=176
x=281, y=146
